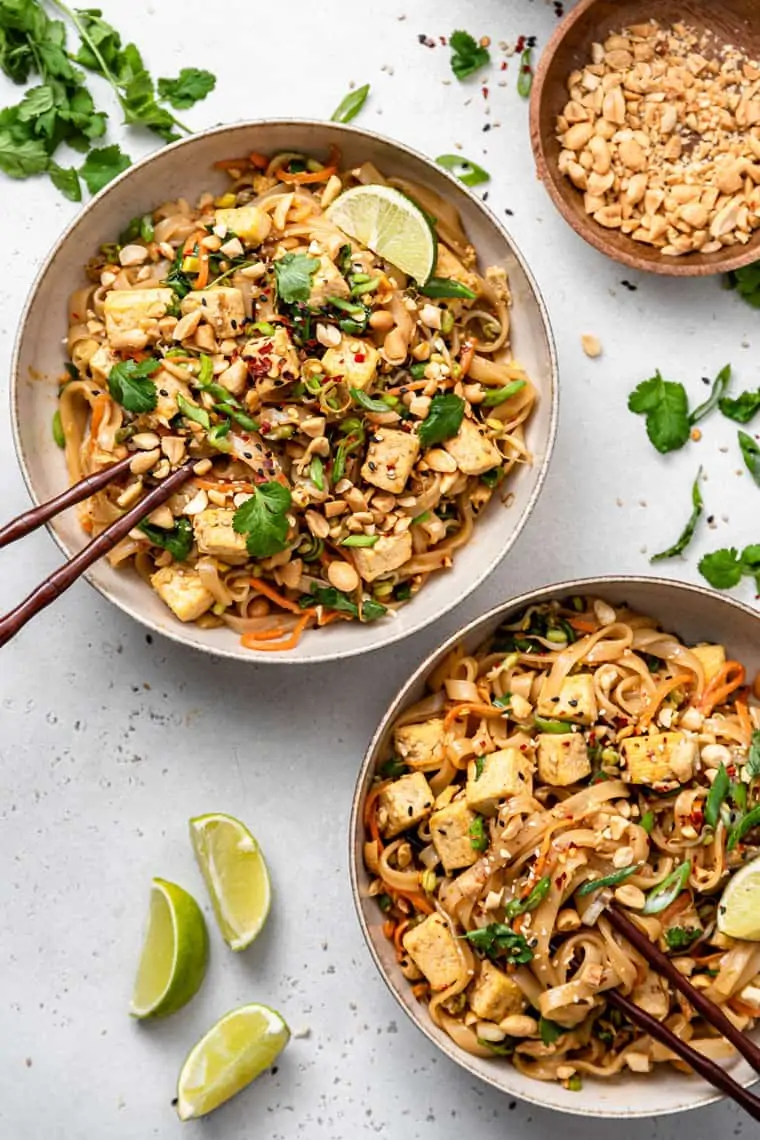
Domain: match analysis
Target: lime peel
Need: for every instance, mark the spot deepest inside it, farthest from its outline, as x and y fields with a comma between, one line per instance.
x=175, y=953
x=739, y=906
x=391, y=225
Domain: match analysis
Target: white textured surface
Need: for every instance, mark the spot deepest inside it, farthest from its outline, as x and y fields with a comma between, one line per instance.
x=109, y=744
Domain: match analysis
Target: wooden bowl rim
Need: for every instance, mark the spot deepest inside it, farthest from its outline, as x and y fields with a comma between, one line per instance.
x=690, y=265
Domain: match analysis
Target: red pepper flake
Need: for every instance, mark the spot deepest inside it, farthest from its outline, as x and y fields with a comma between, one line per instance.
x=520, y=45
x=485, y=92
x=360, y=357
x=503, y=65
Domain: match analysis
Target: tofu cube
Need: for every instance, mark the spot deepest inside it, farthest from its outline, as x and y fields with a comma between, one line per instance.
x=355, y=361
x=327, y=282
x=421, y=745
x=576, y=701
x=388, y=553
x=273, y=357
x=216, y=536
x=432, y=948
x=222, y=307
x=473, y=451
x=132, y=316
x=404, y=803
x=235, y=378
x=661, y=760
x=251, y=224
x=450, y=833
x=713, y=657
x=562, y=758
x=504, y=773
x=391, y=456
x=494, y=995
x=183, y=592
x=101, y=362
x=168, y=387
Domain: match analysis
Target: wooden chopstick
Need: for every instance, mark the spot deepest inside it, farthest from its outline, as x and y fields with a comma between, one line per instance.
x=707, y=1008
x=705, y=1066
x=35, y=517
x=65, y=575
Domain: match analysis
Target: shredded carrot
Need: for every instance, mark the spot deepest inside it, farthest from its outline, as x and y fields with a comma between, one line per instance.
x=465, y=360
x=418, y=901
x=305, y=177
x=370, y=815
x=261, y=640
x=260, y=161
x=278, y=599
x=582, y=626
x=231, y=164
x=543, y=856
x=661, y=692
x=741, y=1007
x=99, y=407
x=389, y=927
x=419, y=990
x=232, y=486
x=333, y=615
x=469, y=707
x=744, y=719
x=517, y=925
x=725, y=681
x=191, y=240
x=201, y=281
x=398, y=934
x=270, y=634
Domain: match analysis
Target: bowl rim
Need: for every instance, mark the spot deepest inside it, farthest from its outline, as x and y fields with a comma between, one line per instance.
x=355, y=827
x=585, y=226
x=174, y=629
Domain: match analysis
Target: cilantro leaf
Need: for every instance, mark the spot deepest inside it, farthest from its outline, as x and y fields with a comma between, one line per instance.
x=36, y=101
x=751, y=454
x=497, y=939
x=66, y=180
x=293, y=274
x=681, y=937
x=746, y=282
x=722, y=568
x=752, y=767
x=101, y=165
x=467, y=56
x=350, y=106
x=720, y=383
x=443, y=421
x=178, y=541
x=191, y=85
x=263, y=519
x=666, y=408
x=21, y=157
x=549, y=1031
x=688, y=531
x=331, y=598
x=743, y=408
x=130, y=385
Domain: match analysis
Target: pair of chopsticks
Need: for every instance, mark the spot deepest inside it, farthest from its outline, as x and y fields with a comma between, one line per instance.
x=54, y=585
x=707, y=1068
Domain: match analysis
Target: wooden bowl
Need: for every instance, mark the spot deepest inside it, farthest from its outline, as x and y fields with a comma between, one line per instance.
x=732, y=21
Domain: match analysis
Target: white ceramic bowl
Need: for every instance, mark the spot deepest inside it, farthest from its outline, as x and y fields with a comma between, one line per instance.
x=694, y=614
x=185, y=168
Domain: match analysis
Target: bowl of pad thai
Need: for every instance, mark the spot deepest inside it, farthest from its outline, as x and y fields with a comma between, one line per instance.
x=588, y=744
x=347, y=345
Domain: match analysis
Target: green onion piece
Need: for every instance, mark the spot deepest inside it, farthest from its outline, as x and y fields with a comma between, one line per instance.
x=361, y=540
x=311, y=548
x=503, y=702
x=549, y=1031
x=421, y=518
x=743, y=826
x=549, y=724
x=191, y=412
x=574, y=1083
x=367, y=402
x=346, y=306
x=58, y=435
x=217, y=436
x=534, y=899
x=239, y=417
x=717, y=796
x=352, y=328
x=365, y=287
x=738, y=796
x=608, y=880
x=661, y=896
x=477, y=833
x=314, y=384
x=357, y=278
x=464, y=169
x=350, y=106
x=525, y=75
x=317, y=472
x=447, y=322
x=206, y=371
x=146, y=228
x=440, y=287
x=496, y=396
x=647, y=822
x=263, y=327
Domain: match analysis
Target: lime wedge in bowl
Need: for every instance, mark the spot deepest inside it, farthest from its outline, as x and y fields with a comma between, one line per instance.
x=175, y=953
x=236, y=875
x=391, y=225
x=234, y=1052
x=739, y=907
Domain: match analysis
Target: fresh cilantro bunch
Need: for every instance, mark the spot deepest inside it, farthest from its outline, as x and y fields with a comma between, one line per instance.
x=59, y=108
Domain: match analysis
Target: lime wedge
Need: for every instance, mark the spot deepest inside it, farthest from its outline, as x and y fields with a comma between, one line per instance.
x=391, y=225
x=234, y=1051
x=236, y=876
x=175, y=953
x=739, y=907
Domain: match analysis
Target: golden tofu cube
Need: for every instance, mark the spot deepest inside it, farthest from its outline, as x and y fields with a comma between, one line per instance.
x=354, y=361
x=216, y=536
x=712, y=657
x=576, y=701
x=391, y=455
x=508, y=772
x=421, y=745
x=661, y=760
x=168, y=387
x=132, y=316
x=222, y=307
x=494, y=995
x=562, y=758
x=432, y=948
x=251, y=224
x=388, y=553
x=473, y=451
x=183, y=591
x=327, y=282
x=273, y=356
x=404, y=803
x=450, y=833
x=101, y=362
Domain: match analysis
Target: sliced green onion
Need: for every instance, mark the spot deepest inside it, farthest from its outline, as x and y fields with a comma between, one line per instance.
x=743, y=826
x=191, y=412
x=647, y=822
x=206, y=371
x=264, y=328
x=350, y=106
x=352, y=328
x=661, y=896
x=534, y=899
x=464, y=169
x=608, y=880
x=367, y=402
x=314, y=384
x=58, y=435
x=717, y=795
x=317, y=472
x=477, y=833
x=549, y=724
x=421, y=518
x=361, y=540
x=441, y=287
x=365, y=286
x=347, y=306
x=217, y=436
x=496, y=396
x=238, y=416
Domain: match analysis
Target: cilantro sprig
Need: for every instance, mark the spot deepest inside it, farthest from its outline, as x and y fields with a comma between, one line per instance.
x=751, y=455
x=467, y=55
x=725, y=568
x=666, y=407
x=263, y=519
x=130, y=385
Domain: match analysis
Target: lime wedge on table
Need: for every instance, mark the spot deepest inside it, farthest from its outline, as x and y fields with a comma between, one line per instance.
x=236, y=876
x=234, y=1051
x=739, y=907
x=175, y=953
x=391, y=225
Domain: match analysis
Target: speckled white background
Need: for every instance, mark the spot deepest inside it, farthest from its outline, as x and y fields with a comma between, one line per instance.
x=109, y=741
